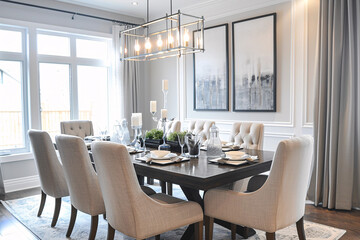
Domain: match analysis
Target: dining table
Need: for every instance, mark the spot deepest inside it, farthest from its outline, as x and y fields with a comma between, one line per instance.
x=198, y=175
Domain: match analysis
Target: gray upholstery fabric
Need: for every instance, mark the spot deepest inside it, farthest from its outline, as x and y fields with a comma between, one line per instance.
x=170, y=127
x=52, y=178
x=80, y=175
x=336, y=175
x=280, y=202
x=200, y=127
x=80, y=128
x=129, y=210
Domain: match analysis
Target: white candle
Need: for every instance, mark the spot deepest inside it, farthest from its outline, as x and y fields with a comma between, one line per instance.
x=163, y=113
x=153, y=106
x=165, y=84
x=136, y=119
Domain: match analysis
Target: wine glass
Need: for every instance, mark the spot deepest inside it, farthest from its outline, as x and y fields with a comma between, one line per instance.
x=181, y=139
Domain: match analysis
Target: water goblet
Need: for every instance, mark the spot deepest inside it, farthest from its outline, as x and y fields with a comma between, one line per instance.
x=181, y=139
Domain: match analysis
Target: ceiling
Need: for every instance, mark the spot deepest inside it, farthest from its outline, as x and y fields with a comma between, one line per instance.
x=158, y=8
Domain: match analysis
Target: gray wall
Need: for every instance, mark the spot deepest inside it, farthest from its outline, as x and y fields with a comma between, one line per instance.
x=296, y=35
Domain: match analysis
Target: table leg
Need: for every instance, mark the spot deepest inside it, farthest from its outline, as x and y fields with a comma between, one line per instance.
x=194, y=195
x=141, y=179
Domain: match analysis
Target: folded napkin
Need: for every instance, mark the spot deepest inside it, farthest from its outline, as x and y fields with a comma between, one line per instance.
x=171, y=156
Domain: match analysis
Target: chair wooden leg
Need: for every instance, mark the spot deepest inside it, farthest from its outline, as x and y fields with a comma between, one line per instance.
x=157, y=237
x=169, y=188
x=233, y=231
x=56, y=211
x=104, y=216
x=163, y=186
x=150, y=181
x=111, y=232
x=72, y=221
x=94, y=226
x=209, y=227
x=300, y=229
x=42, y=203
x=246, y=233
x=270, y=236
x=199, y=230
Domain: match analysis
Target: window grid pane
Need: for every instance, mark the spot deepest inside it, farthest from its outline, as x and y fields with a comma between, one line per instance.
x=10, y=41
x=91, y=49
x=53, y=45
x=11, y=105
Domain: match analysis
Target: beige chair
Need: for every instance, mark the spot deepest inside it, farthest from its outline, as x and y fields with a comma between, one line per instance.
x=80, y=128
x=170, y=127
x=129, y=210
x=200, y=127
x=52, y=178
x=85, y=193
x=249, y=136
x=279, y=203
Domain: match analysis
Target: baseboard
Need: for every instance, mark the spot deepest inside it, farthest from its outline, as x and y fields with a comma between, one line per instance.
x=17, y=184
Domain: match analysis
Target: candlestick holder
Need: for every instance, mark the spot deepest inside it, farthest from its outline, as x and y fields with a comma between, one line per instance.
x=137, y=137
x=164, y=146
x=165, y=92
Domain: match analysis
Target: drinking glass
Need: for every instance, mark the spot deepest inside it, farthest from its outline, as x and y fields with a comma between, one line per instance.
x=181, y=139
x=144, y=140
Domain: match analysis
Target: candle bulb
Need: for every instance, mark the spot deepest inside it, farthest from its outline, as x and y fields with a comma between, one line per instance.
x=153, y=106
x=165, y=85
x=163, y=113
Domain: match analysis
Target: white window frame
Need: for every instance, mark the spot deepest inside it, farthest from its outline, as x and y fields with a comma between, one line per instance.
x=23, y=58
x=73, y=61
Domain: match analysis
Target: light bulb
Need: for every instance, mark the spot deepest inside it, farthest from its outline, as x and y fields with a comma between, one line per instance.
x=137, y=46
x=125, y=50
x=186, y=37
x=171, y=41
x=159, y=42
x=147, y=44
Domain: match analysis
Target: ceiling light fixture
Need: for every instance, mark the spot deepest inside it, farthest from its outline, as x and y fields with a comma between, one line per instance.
x=173, y=35
x=135, y=3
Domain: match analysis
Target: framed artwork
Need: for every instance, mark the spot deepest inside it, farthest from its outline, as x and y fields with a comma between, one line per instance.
x=211, y=71
x=254, y=64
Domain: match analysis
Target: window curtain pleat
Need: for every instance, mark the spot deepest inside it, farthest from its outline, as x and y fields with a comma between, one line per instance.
x=335, y=181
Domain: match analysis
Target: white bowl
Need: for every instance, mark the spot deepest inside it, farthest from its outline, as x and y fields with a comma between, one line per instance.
x=160, y=153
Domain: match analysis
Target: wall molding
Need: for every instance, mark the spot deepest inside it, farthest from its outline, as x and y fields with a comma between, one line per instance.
x=17, y=184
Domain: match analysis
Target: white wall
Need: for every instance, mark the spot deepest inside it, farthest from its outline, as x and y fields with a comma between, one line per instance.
x=19, y=171
x=296, y=34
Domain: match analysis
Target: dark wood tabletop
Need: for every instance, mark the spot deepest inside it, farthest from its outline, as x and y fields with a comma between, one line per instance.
x=199, y=174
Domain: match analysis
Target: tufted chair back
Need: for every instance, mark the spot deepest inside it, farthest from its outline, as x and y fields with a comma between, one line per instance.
x=248, y=135
x=79, y=128
x=172, y=126
x=200, y=127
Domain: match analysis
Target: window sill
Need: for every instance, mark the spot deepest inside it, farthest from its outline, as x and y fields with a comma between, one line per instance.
x=16, y=157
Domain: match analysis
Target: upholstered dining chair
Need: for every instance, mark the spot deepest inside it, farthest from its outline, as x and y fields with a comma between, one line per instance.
x=51, y=173
x=170, y=127
x=80, y=128
x=248, y=135
x=200, y=127
x=279, y=203
x=129, y=210
x=85, y=193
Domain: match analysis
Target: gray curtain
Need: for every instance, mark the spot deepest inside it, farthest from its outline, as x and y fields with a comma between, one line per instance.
x=335, y=182
x=130, y=84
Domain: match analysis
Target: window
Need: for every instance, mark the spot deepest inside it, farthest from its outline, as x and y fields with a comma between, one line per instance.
x=73, y=74
x=13, y=89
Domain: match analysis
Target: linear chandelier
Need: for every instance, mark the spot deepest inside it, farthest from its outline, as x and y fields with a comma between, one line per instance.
x=173, y=35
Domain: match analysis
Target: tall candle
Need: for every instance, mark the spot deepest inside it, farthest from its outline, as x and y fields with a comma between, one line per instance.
x=140, y=118
x=153, y=106
x=136, y=119
x=165, y=85
x=163, y=113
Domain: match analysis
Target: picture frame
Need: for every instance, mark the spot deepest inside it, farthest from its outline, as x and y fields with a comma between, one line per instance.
x=254, y=64
x=211, y=70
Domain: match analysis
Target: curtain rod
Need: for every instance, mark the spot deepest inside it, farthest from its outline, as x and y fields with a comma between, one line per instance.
x=73, y=13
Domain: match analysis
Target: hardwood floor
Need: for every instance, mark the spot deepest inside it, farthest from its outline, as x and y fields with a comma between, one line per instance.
x=11, y=228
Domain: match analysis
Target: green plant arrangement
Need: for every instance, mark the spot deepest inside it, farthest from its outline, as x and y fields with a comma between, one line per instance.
x=174, y=135
x=154, y=134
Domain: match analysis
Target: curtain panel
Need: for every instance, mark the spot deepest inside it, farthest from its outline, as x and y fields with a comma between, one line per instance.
x=336, y=176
